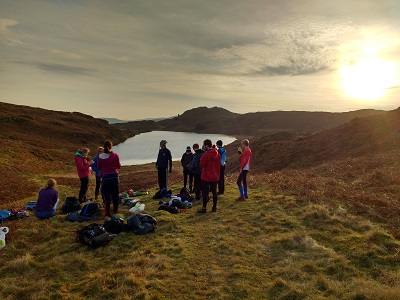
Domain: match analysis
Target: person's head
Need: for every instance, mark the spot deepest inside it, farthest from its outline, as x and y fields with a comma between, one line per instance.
x=219, y=143
x=100, y=150
x=245, y=143
x=207, y=144
x=51, y=183
x=108, y=146
x=188, y=149
x=163, y=144
x=196, y=147
x=84, y=151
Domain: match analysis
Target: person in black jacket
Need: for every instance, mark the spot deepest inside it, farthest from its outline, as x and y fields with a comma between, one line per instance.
x=164, y=160
x=196, y=169
x=185, y=161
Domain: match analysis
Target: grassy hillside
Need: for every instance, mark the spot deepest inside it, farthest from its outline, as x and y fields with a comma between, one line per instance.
x=219, y=120
x=37, y=141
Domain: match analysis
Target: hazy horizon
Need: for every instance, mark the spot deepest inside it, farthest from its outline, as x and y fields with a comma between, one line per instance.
x=156, y=59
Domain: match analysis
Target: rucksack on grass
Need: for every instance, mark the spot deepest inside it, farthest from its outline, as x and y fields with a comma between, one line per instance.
x=89, y=209
x=71, y=204
x=94, y=235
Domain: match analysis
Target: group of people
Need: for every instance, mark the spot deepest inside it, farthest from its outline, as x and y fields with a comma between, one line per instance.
x=205, y=169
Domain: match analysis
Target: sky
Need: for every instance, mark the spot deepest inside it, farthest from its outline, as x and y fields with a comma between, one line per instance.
x=144, y=59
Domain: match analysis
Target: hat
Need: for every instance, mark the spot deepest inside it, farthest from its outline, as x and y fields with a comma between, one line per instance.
x=188, y=148
x=219, y=143
x=163, y=142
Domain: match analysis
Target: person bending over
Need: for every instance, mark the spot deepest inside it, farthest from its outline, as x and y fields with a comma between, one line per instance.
x=47, y=202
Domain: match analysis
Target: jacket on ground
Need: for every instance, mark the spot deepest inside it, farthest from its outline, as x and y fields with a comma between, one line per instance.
x=82, y=165
x=210, y=163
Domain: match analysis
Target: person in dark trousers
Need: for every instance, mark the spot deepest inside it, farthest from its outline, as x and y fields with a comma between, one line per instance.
x=221, y=182
x=109, y=165
x=100, y=150
x=185, y=161
x=210, y=163
x=246, y=157
x=164, y=160
x=195, y=168
x=83, y=168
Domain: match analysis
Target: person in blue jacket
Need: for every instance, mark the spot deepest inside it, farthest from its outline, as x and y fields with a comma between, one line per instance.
x=221, y=182
x=164, y=160
x=97, y=172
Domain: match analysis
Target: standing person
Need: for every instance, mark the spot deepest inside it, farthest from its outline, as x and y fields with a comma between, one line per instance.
x=221, y=182
x=97, y=172
x=83, y=168
x=163, y=160
x=245, y=164
x=47, y=202
x=210, y=163
x=195, y=168
x=109, y=165
x=185, y=161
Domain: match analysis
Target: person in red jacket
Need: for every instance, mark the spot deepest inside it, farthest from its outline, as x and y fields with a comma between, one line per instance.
x=109, y=164
x=210, y=163
x=245, y=164
x=83, y=168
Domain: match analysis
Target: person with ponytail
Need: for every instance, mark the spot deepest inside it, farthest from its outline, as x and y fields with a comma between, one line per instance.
x=47, y=202
x=109, y=164
x=83, y=168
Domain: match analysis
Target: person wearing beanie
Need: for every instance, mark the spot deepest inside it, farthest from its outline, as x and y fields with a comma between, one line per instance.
x=185, y=161
x=245, y=164
x=164, y=160
x=221, y=182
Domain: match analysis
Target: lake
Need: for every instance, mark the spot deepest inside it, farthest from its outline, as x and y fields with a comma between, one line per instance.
x=143, y=148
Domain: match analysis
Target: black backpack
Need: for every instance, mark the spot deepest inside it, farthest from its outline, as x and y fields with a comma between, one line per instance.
x=89, y=209
x=71, y=204
x=115, y=225
x=94, y=235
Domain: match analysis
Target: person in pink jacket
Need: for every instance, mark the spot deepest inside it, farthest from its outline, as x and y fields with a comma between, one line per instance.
x=109, y=164
x=83, y=168
x=245, y=164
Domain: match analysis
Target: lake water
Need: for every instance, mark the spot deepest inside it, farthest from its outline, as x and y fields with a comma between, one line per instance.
x=143, y=148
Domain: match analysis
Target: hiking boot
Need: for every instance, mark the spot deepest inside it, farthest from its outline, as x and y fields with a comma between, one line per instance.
x=214, y=209
x=241, y=199
x=202, y=211
x=246, y=197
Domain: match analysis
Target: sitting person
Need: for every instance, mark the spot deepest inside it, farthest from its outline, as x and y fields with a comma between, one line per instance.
x=47, y=202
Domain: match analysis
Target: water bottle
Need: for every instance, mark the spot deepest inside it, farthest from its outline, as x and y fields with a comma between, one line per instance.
x=3, y=232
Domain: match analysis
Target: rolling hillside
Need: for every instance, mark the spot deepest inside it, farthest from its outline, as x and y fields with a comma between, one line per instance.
x=37, y=141
x=219, y=120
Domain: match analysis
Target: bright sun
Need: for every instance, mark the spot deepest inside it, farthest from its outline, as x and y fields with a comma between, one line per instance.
x=368, y=79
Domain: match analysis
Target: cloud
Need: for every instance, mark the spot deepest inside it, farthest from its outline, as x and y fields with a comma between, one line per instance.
x=6, y=23
x=65, y=54
x=63, y=69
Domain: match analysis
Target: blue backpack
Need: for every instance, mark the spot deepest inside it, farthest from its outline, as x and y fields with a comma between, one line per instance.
x=89, y=209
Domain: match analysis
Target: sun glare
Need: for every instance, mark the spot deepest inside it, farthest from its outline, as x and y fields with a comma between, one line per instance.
x=368, y=79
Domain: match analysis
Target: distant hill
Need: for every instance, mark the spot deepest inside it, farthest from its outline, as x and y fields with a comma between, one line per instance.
x=36, y=140
x=219, y=120
x=359, y=137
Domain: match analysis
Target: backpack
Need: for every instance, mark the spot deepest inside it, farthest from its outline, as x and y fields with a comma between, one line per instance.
x=170, y=209
x=31, y=205
x=115, y=225
x=185, y=192
x=94, y=235
x=4, y=214
x=160, y=194
x=89, y=209
x=75, y=217
x=71, y=204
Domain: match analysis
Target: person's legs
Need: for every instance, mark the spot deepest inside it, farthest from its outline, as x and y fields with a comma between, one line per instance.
x=106, y=194
x=83, y=189
x=239, y=183
x=45, y=214
x=245, y=183
x=190, y=182
x=197, y=185
x=205, y=187
x=213, y=188
x=115, y=193
x=160, y=178
x=97, y=189
x=185, y=176
x=221, y=182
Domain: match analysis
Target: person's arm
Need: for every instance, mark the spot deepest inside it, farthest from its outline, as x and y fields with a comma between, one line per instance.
x=118, y=163
x=245, y=159
x=94, y=166
x=182, y=159
x=54, y=200
x=99, y=164
x=170, y=161
x=204, y=160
